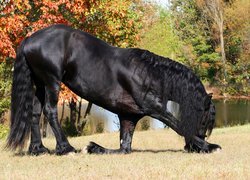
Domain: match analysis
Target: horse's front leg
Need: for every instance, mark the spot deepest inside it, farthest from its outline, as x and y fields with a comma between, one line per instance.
x=197, y=144
x=126, y=133
x=194, y=143
x=168, y=119
x=127, y=127
x=50, y=111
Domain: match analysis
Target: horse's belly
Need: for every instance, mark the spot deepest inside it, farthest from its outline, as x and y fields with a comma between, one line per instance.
x=125, y=103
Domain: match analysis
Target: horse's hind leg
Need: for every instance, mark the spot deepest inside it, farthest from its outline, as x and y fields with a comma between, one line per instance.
x=36, y=147
x=127, y=127
x=50, y=111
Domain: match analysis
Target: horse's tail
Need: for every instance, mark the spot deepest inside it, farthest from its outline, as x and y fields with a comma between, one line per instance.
x=21, y=102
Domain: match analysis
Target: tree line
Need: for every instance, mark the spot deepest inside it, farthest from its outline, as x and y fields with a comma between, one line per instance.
x=218, y=32
x=209, y=36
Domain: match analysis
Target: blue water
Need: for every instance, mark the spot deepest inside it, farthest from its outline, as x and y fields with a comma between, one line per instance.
x=231, y=112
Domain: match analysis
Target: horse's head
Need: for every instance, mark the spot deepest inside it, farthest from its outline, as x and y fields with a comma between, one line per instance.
x=205, y=128
x=208, y=118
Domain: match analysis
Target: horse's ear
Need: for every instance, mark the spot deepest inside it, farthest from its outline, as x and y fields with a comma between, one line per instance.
x=208, y=100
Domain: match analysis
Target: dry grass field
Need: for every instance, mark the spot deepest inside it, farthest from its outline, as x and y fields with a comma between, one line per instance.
x=157, y=155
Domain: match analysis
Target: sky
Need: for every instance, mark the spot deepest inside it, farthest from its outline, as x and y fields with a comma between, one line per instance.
x=161, y=2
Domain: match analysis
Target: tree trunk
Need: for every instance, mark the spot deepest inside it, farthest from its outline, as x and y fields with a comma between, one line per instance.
x=79, y=126
x=73, y=114
x=88, y=109
x=214, y=8
x=79, y=111
x=223, y=54
x=63, y=107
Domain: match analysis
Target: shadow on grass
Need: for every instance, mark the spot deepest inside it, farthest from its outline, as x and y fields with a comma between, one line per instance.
x=53, y=152
x=158, y=151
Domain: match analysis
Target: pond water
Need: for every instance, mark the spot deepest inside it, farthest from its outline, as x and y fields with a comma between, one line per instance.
x=231, y=112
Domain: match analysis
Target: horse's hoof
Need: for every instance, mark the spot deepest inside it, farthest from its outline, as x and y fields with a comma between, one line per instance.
x=38, y=149
x=64, y=149
x=191, y=148
x=94, y=148
x=213, y=148
x=210, y=148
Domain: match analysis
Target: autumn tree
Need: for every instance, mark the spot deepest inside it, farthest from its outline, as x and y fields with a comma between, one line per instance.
x=237, y=43
x=12, y=29
x=13, y=23
x=114, y=21
x=198, y=46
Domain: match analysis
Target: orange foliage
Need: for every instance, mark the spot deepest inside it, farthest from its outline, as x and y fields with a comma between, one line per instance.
x=66, y=94
x=11, y=27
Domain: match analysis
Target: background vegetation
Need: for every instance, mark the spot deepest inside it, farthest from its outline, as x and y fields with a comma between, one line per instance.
x=211, y=37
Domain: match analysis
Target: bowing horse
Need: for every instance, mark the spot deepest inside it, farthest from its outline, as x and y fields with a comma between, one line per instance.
x=130, y=82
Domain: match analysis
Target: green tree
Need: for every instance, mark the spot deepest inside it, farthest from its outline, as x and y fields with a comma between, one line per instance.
x=194, y=31
x=158, y=36
x=115, y=21
x=214, y=10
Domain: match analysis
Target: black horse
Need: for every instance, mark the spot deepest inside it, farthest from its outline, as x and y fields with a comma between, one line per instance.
x=129, y=82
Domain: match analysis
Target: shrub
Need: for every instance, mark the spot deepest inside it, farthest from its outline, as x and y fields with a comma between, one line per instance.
x=5, y=87
x=4, y=130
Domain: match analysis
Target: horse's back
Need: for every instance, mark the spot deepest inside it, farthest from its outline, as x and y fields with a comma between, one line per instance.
x=58, y=48
x=48, y=39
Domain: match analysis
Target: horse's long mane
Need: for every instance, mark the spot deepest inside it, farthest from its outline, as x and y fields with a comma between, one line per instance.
x=181, y=85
